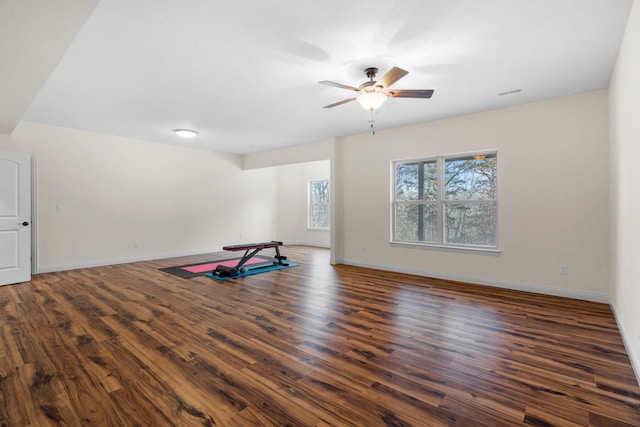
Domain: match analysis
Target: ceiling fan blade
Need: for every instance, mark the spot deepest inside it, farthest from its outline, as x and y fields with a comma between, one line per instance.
x=340, y=85
x=426, y=93
x=339, y=103
x=392, y=76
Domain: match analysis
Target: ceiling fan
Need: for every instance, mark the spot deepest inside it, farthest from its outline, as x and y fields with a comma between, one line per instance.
x=372, y=93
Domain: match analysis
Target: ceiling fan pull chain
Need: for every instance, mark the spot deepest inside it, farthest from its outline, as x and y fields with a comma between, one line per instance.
x=372, y=121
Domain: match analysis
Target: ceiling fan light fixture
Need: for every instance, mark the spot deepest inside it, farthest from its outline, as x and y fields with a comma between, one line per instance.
x=373, y=93
x=185, y=133
x=371, y=100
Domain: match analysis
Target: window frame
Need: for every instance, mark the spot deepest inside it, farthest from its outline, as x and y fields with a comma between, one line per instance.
x=310, y=204
x=441, y=201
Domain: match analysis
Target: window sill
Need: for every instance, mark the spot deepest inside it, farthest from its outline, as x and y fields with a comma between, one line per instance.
x=318, y=229
x=448, y=248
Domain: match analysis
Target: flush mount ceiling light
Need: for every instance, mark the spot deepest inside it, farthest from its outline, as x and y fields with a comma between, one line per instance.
x=185, y=133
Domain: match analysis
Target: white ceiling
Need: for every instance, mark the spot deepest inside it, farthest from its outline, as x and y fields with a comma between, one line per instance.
x=34, y=35
x=245, y=74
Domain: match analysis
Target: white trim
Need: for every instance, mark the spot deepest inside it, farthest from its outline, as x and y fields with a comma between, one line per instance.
x=452, y=248
x=635, y=363
x=311, y=244
x=34, y=214
x=486, y=152
x=498, y=283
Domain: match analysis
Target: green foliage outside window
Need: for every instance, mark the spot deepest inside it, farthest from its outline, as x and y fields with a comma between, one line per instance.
x=447, y=201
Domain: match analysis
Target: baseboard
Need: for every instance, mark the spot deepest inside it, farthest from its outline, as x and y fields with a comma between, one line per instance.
x=312, y=244
x=635, y=363
x=505, y=284
x=123, y=260
x=147, y=257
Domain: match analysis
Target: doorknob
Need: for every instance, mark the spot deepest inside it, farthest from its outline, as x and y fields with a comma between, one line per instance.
x=25, y=223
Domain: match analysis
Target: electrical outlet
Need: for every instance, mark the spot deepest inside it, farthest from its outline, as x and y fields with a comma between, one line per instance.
x=564, y=269
x=136, y=245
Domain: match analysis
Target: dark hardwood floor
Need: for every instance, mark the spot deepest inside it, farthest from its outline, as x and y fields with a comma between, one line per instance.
x=313, y=345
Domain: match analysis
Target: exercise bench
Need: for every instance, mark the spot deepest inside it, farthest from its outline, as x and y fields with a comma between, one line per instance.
x=251, y=249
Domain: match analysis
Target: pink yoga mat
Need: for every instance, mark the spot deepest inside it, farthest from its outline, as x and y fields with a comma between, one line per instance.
x=229, y=263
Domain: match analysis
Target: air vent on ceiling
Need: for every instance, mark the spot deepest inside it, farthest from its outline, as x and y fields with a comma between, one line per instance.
x=510, y=92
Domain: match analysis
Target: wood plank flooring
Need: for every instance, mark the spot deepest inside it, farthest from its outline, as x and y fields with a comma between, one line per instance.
x=313, y=345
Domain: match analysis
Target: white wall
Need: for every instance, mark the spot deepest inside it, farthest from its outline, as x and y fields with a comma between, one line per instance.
x=117, y=191
x=293, y=185
x=311, y=152
x=625, y=188
x=553, y=196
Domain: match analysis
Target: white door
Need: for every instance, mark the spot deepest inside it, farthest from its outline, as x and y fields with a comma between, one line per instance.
x=15, y=218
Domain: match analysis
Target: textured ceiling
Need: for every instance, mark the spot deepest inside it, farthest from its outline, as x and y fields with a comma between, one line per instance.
x=245, y=74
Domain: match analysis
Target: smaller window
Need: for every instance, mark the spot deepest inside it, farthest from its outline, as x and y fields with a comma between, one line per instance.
x=319, y=205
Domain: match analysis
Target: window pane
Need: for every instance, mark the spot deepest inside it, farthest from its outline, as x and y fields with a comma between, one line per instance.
x=471, y=223
x=471, y=178
x=406, y=226
x=320, y=192
x=430, y=218
x=407, y=182
x=320, y=216
x=417, y=181
x=416, y=222
x=319, y=204
x=430, y=180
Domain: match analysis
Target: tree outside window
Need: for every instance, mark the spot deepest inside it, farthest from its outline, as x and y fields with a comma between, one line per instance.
x=447, y=201
x=319, y=205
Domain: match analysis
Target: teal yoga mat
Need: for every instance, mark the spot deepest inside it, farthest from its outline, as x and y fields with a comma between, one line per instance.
x=250, y=272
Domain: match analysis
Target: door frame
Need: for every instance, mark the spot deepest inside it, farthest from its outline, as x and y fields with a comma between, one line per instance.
x=34, y=215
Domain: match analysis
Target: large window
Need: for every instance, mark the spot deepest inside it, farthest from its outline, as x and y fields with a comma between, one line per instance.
x=447, y=201
x=319, y=205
